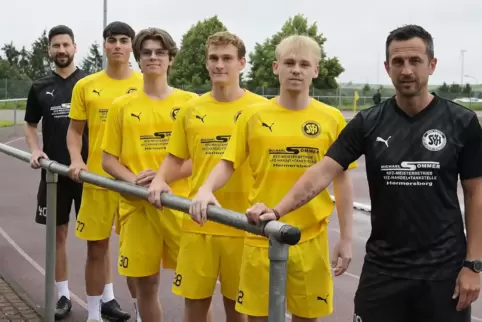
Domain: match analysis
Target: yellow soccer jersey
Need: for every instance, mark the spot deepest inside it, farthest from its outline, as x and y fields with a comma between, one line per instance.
x=138, y=129
x=280, y=145
x=201, y=133
x=92, y=98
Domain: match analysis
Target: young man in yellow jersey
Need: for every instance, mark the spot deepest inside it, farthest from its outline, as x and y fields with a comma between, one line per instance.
x=279, y=140
x=137, y=132
x=201, y=133
x=91, y=100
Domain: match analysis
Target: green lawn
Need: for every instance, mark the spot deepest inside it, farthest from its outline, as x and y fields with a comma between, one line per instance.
x=11, y=105
x=5, y=123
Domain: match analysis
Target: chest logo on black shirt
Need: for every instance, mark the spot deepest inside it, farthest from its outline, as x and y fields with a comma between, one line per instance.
x=311, y=129
x=97, y=91
x=434, y=140
x=379, y=139
x=50, y=93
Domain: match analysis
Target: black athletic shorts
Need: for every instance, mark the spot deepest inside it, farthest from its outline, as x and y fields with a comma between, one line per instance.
x=382, y=298
x=68, y=191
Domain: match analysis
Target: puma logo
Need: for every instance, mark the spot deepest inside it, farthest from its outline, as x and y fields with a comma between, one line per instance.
x=379, y=139
x=138, y=116
x=96, y=91
x=268, y=126
x=319, y=298
x=201, y=117
x=130, y=90
x=50, y=93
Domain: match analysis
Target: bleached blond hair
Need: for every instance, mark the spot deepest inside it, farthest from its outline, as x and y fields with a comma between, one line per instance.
x=297, y=44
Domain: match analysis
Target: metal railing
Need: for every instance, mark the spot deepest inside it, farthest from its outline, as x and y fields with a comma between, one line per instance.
x=280, y=235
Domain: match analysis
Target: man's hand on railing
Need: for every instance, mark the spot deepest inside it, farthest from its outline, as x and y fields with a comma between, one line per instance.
x=154, y=191
x=35, y=158
x=198, y=209
x=75, y=168
x=144, y=178
x=260, y=212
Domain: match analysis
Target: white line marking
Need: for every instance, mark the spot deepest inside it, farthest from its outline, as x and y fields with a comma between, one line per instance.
x=35, y=264
x=29, y=259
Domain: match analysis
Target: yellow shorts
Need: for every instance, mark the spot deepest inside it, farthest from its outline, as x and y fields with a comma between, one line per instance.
x=309, y=284
x=147, y=238
x=98, y=209
x=202, y=259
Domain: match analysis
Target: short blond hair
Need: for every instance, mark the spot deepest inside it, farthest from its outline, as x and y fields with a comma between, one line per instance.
x=154, y=34
x=297, y=43
x=224, y=38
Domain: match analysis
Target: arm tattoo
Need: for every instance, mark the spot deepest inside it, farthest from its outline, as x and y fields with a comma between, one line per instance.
x=304, y=196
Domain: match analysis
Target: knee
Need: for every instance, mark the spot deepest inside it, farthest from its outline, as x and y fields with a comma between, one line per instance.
x=148, y=286
x=61, y=235
x=97, y=250
x=198, y=305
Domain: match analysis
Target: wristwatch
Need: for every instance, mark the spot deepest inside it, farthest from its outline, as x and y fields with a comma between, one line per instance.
x=475, y=265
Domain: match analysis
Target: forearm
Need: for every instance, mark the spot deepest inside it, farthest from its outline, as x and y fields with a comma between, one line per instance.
x=310, y=184
x=170, y=169
x=31, y=136
x=185, y=171
x=219, y=176
x=343, y=190
x=74, y=145
x=116, y=169
x=473, y=223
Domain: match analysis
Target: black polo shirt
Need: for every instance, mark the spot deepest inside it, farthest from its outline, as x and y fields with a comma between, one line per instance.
x=412, y=165
x=49, y=100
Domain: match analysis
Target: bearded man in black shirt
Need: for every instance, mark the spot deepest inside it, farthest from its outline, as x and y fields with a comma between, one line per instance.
x=49, y=101
x=419, y=264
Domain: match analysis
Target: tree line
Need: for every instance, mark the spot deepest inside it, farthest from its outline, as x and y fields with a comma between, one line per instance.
x=188, y=69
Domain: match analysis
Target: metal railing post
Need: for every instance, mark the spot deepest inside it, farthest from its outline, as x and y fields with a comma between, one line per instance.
x=278, y=257
x=50, y=247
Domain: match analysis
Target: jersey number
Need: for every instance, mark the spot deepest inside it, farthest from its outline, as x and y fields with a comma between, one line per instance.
x=124, y=262
x=80, y=226
x=240, y=297
x=42, y=211
x=177, y=280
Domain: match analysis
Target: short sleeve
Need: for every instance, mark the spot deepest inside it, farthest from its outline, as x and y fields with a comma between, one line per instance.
x=33, y=110
x=237, y=150
x=470, y=160
x=112, y=140
x=341, y=124
x=178, y=144
x=349, y=145
x=77, y=105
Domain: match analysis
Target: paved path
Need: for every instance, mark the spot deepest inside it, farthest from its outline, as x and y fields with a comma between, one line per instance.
x=22, y=245
x=13, y=307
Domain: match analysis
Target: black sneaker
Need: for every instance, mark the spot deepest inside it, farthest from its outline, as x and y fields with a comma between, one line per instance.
x=64, y=305
x=112, y=311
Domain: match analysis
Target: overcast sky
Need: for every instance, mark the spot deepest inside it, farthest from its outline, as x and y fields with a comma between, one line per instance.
x=356, y=30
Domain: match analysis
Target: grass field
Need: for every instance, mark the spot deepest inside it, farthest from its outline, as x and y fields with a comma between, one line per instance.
x=5, y=123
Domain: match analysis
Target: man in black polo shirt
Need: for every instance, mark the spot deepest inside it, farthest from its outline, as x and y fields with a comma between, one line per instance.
x=419, y=265
x=49, y=100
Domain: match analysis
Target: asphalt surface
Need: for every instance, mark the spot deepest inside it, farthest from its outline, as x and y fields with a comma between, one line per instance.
x=22, y=246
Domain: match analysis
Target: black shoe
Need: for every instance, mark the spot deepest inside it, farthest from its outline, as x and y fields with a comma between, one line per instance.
x=64, y=305
x=112, y=311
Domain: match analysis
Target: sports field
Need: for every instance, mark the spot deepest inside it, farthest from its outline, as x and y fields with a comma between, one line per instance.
x=22, y=244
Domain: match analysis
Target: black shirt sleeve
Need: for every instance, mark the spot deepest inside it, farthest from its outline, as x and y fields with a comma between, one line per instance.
x=349, y=145
x=470, y=161
x=33, y=110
